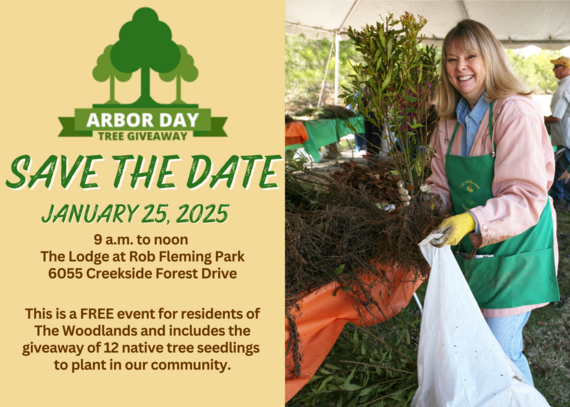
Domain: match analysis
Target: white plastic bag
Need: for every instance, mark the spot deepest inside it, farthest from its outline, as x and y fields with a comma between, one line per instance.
x=460, y=363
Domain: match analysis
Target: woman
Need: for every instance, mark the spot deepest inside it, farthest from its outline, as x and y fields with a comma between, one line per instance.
x=493, y=167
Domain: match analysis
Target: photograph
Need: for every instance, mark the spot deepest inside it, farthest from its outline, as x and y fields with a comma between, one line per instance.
x=427, y=204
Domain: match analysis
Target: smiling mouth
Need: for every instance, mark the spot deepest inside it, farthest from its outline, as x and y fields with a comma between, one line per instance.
x=465, y=78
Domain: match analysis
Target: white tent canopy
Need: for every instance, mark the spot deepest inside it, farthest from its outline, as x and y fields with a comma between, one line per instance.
x=516, y=24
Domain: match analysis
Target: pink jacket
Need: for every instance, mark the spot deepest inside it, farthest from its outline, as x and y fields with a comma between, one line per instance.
x=524, y=172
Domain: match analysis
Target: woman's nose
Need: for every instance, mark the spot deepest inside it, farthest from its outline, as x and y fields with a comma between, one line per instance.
x=460, y=65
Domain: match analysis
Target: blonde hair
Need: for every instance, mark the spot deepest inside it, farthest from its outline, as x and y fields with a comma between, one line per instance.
x=500, y=81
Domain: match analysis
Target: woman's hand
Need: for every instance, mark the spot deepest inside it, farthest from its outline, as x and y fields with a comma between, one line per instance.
x=565, y=176
x=454, y=229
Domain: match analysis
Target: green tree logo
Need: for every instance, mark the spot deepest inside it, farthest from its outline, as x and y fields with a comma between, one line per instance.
x=105, y=70
x=185, y=70
x=145, y=43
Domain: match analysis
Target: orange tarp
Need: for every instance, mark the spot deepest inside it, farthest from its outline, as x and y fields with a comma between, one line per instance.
x=321, y=317
x=295, y=133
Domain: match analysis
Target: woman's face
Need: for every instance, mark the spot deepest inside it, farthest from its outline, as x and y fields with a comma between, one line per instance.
x=466, y=72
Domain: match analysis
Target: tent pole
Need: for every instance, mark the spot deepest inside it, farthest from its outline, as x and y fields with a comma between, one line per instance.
x=463, y=8
x=336, y=64
x=325, y=78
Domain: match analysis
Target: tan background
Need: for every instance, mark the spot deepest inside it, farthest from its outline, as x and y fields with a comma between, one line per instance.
x=49, y=52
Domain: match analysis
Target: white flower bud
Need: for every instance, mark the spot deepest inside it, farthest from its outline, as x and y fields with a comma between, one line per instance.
x=403, y=191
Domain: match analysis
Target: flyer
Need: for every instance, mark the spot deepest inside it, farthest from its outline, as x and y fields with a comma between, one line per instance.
x=143, y=204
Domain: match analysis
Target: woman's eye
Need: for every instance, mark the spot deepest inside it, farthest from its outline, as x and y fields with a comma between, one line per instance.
x=471, y=56
x=451, y=60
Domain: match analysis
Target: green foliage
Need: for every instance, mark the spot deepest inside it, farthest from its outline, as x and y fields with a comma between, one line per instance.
x=305, y=64
x=535, y=70
x=106, y=70
x=363, y=369
x=145, y=43
x=393, y=86
x=185, y=70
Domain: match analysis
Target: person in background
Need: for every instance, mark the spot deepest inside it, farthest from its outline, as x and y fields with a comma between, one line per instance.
x=359, y=139
x=560, y=130
x=372, y=134
x=492, y=167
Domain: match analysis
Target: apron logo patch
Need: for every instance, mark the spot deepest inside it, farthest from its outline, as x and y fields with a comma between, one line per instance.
x=468, y=185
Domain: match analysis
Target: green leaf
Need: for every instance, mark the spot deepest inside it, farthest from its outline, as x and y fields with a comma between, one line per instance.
x=332, y=367
x=387, y=80
x=394, y=172
x=324, y=382
x=353, y=402
x=339, y=269
x=411, y=99
x=350, y=387
x=372, y=83
x=366, y=391
x=382, y=36
x=420, y=75
x=418, y=167
x=398, y=397
x=349, y=378
x=334, y=292
x=378, y=64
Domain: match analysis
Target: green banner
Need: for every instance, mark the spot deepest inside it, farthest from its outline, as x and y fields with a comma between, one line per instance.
x=68, y=128
x=217, y=128
x=183, y=119
x=87, y=121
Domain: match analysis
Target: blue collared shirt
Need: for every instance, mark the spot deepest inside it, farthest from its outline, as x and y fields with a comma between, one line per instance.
x=470, y=121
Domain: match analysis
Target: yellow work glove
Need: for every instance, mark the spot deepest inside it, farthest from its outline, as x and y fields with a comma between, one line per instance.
x=454, y=229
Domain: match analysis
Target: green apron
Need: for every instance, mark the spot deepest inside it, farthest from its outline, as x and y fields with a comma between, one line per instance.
x=521, y=270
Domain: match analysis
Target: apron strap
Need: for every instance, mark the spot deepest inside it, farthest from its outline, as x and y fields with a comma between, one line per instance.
x=491, y=127
x=490, y=130
x=452, y=137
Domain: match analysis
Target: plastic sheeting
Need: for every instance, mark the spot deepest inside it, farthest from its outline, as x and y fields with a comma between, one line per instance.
x=516, y=24
x=321, y=317
x=320, y=133
x=295, y=133
x=460, y=363
x=342, y=128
